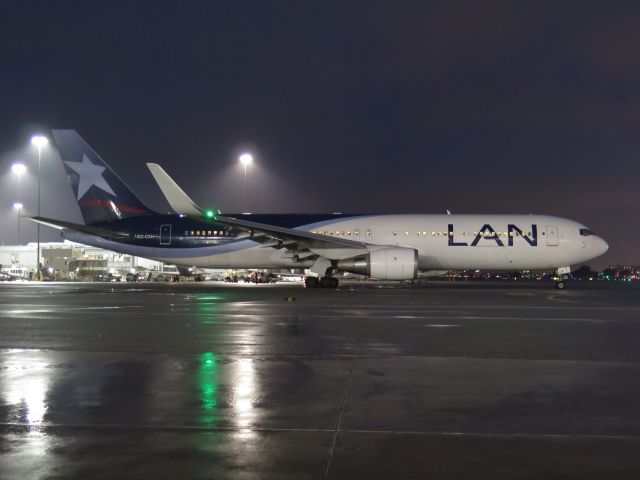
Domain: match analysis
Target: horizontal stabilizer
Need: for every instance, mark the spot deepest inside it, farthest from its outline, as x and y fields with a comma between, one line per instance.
x=177, y=198
x=62, y=225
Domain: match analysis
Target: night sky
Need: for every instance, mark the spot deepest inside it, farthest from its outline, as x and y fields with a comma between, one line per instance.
x=352, y=106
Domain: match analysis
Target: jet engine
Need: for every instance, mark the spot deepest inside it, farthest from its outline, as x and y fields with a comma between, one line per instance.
x=387, y=263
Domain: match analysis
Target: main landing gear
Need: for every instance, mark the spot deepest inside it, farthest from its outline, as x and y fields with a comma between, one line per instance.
x=321, y=275
x=324, y=282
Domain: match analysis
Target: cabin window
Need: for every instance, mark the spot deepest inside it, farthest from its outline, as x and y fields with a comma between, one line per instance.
x=585, y=232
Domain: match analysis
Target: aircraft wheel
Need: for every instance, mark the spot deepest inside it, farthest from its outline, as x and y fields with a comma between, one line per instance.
x=326, y=282
x=334, y=282
x=560, y=285
x=310, y=282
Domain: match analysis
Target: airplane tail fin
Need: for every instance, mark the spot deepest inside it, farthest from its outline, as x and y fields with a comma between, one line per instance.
x=100, y=193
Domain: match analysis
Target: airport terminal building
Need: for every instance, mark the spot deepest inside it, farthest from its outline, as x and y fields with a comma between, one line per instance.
x=72, y=261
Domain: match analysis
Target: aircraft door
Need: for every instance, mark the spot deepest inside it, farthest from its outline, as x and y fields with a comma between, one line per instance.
x=165, y=234
x=552, y=235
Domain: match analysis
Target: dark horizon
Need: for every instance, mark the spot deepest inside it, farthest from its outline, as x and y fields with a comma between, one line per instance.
x=367, y=107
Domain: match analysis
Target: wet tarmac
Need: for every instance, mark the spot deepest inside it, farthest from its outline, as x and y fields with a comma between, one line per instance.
x=211, y=381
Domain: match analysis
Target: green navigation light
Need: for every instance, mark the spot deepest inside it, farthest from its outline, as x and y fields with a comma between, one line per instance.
x=209, y=214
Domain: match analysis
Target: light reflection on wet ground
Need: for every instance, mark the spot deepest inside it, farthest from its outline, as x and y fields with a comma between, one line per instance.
x=202, y=382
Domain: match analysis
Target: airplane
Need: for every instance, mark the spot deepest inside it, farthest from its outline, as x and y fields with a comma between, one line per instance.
x=384, y=247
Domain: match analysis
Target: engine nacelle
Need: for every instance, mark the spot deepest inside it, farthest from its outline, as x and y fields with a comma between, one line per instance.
x=387, y=263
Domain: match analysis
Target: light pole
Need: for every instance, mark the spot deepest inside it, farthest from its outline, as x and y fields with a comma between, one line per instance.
x=39, y=141
x=18, y=207
x=19, y=169
x=246, y=159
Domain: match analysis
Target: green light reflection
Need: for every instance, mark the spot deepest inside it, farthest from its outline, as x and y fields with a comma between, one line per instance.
x=208, y=383
x=208, y=306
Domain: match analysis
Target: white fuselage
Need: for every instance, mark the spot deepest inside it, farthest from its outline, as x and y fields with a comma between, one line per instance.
x=443, y=242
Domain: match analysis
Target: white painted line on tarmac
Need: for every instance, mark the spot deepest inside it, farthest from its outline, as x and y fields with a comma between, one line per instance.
x=58, y=309
x=441, y=325
x=149, y=427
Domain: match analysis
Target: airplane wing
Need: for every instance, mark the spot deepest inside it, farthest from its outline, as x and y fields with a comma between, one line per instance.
x=287, y=235
x=267, y=235
x=61, y=225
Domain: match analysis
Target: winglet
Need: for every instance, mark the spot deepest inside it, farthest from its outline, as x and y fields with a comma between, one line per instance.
x=179, y=201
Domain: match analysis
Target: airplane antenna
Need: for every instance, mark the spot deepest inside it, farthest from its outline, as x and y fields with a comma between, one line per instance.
x=448, y=212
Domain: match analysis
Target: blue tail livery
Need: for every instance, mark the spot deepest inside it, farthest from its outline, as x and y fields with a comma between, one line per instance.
x=100, y=193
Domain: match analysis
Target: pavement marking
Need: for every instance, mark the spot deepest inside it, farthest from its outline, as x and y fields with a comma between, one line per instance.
x=43, y=427
x=556, y=298
x=57, y=309
x=442, y=325
x=252, y=318
x=551, y=319
x=338, y=422
x=419, y=308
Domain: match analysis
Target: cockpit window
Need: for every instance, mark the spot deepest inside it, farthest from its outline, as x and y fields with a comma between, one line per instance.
x=585, y=232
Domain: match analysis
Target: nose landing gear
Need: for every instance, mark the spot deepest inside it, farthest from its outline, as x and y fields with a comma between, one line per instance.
x=562, y=275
